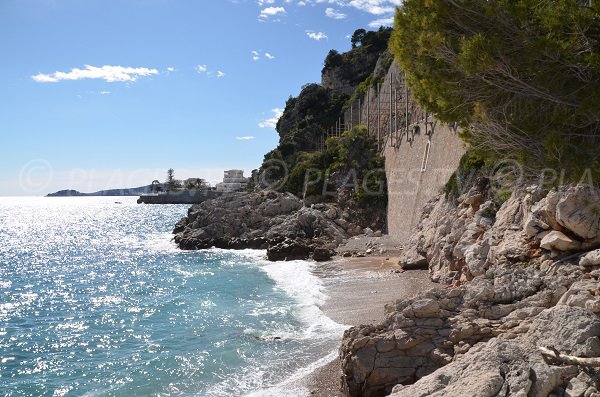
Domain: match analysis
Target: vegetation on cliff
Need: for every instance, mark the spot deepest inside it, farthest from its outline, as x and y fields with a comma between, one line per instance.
x=522, y=78
x=349, y=169
x=351, y=166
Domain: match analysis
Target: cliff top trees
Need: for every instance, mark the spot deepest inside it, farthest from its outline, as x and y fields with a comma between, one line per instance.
x=357, y=37
x=522, y=77
x=195, y=184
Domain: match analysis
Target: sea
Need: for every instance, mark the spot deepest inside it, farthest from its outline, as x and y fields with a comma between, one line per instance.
x=97, y=300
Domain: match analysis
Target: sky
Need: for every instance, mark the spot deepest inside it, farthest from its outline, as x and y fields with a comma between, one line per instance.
x=99, y=94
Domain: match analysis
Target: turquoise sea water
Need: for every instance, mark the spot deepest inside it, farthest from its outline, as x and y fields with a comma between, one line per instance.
x=96, y=300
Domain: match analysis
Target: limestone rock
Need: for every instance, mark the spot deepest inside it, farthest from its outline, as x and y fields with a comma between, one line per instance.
x=592, y=258
x=321, y=254
x=579, y=211
x=513, y=367
x=480, y=336
x=411, y=259
x=556, y=240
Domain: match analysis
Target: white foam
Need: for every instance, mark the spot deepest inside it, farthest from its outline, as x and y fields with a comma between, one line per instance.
x=294, y=385
x=296, y=279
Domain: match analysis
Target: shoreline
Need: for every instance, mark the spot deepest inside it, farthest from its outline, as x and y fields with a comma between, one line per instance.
x=357, y=291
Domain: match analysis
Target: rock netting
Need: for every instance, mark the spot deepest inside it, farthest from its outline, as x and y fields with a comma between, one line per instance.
x=508, y=294
x=278, y=222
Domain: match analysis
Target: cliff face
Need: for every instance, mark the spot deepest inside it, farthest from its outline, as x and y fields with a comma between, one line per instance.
x=304, y=118
x=343, y=72
x=354, y=67
x=524, y=275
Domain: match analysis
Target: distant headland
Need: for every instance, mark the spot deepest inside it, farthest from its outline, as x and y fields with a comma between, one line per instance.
x=135, y=191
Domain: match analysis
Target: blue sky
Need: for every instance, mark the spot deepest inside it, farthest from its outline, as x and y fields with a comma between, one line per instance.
x=100, y=94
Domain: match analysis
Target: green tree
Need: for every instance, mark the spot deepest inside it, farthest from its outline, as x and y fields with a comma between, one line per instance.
x=357, y=37
x=172, y=183
x=521, y=77
x=333, y=59
x=195, y=184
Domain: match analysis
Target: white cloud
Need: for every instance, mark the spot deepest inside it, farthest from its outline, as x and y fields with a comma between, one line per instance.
x=203, y=69
x=104, y=92
x=170, y=69
x=108, y=73
x=271, y=11
x=256, y=55
x=316, y=35
x=375, y=7
x=332, y=13
x=244, y=138
x=263, y=2
x=271, y=122
x=382, y=22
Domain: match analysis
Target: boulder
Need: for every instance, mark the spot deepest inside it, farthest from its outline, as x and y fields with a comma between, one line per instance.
x=579, y=211
x=556, y=240
x=321, y=254
x=592, y=258
x=288, y=250
x=411, y=259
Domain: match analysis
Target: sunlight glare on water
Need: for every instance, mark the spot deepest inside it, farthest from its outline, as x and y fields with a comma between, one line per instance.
x=95, y=299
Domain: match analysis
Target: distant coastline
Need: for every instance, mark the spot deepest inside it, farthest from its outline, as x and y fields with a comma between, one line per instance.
x=136, y=191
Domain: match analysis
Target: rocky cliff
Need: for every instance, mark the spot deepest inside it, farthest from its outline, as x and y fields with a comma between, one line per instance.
x=342, y=73
x=521, y=276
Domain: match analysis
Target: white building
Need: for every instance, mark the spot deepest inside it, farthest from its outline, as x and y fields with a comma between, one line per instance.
x=233, y=181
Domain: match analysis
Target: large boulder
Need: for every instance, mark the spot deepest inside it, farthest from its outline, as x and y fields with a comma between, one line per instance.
x=579, y=211
x=556, y=240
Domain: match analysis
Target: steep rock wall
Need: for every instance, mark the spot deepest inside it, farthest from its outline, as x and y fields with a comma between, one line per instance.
x=420, y=152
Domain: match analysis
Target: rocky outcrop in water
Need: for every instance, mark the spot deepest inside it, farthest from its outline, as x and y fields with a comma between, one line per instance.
x=278, y=222
x=512, y=289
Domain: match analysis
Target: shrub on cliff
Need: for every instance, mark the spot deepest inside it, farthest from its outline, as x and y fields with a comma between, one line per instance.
x=521, y=77
x=351, y=168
